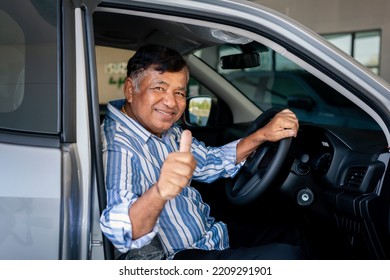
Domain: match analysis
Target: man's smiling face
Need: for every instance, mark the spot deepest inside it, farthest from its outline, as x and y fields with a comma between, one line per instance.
x=161, y=99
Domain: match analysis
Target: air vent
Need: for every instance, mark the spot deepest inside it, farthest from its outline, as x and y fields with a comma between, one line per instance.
x=354, y=177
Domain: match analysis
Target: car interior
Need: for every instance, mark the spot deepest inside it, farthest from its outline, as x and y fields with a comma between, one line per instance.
x=328, y=181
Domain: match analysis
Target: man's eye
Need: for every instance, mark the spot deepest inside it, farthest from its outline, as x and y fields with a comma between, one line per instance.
x=181, y=94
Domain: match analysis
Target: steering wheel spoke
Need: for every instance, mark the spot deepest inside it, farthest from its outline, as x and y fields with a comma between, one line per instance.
x=254, y=162
x=261, y=168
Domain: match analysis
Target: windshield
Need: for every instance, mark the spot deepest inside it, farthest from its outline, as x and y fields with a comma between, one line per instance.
x=278, y=82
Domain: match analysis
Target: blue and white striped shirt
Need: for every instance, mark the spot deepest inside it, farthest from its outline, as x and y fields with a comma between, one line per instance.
x=133, y=158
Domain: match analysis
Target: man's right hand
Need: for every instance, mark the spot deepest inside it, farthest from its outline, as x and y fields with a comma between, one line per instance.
x=177, y=169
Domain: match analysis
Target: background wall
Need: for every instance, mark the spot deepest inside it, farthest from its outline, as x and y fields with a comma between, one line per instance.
x=111, y=71
x=334, y=16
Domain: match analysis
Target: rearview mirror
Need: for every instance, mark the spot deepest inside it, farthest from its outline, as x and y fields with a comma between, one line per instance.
x=240, y=61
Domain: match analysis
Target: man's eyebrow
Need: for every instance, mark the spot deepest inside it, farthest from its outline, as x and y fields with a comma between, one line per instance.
x=162, y=82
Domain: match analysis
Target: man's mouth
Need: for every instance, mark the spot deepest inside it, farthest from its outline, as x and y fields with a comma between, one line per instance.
x=166, y=113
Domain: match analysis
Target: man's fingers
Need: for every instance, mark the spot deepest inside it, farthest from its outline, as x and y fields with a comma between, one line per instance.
x=185, y=141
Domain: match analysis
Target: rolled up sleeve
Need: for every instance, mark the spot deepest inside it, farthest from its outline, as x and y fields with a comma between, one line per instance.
x=116, y=225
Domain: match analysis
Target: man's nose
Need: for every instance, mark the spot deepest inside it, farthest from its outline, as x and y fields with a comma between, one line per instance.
x=169, y=99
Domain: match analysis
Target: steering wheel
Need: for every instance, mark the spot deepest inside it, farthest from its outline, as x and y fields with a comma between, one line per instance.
x=261, y=168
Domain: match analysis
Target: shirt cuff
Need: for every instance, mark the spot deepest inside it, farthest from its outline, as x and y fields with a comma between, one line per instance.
x=229, y=152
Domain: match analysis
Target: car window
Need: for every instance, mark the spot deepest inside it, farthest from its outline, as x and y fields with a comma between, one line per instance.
x=111, y=70
x=278, y=82
x=28, y=71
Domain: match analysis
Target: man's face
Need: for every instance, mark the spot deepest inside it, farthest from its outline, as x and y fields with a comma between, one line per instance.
x=161, y=99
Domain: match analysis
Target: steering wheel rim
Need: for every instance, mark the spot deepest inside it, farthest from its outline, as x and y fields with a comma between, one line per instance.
x=252, y=182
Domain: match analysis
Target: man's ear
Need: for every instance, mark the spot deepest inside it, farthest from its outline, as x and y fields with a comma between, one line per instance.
x=128, y=89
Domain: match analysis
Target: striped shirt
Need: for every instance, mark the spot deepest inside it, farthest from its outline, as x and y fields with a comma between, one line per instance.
x=133, y=158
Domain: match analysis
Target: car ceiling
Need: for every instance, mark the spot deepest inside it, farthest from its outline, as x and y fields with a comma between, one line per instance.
x=130, y=32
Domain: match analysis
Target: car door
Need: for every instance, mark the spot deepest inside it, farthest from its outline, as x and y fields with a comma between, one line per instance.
x=30, y=135
x=46, y=166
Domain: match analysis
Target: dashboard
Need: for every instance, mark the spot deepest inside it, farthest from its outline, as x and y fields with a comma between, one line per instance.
x=338, y=173
x=337, y=158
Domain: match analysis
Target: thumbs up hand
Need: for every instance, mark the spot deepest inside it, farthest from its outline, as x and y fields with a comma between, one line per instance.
x=186, y=141
x=177, y=169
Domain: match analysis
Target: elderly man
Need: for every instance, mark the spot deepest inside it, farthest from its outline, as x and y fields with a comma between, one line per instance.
x=150, y=162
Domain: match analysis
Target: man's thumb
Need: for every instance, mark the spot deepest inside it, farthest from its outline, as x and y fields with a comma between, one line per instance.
x=185, y=141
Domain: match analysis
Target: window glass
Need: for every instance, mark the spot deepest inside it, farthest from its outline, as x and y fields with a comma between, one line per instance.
x=111, y=71
x=367, y=49
x=12, y=65
x=364, y=46
x=342, y=41
x=280, y=83
x=28, y=69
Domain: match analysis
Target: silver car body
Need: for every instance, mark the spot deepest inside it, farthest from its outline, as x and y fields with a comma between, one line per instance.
x=51, y=182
